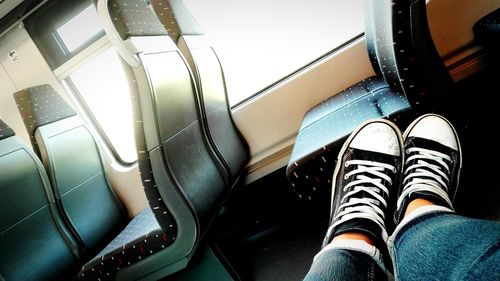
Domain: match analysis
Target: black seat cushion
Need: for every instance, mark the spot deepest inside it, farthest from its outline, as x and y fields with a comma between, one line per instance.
x=410, y=71
x=140, y=239
x=327, y=125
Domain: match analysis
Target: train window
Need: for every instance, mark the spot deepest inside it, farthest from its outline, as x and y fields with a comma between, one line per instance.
x=77, y=31
x=62, y=29
x=101, y=85
x=270, y=40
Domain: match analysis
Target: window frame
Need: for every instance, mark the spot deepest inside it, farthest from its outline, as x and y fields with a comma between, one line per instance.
x=269, y=45
x=297, y=71
x=42, y=25
x=93, y=120
x=60, y=42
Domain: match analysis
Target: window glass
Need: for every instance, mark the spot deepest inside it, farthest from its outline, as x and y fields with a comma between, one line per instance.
x=79, y=30
x=62, y=29
x=260, y=41
x=103, y=85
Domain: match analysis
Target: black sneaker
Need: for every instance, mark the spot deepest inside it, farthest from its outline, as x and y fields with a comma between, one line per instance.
x=367, y=171
x=433, y=163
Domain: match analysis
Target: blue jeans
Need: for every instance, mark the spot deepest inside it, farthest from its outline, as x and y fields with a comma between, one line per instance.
x=431, y=245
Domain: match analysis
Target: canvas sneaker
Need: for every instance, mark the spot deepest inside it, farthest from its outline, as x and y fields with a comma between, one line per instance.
x=433, y=163
x=367, y=172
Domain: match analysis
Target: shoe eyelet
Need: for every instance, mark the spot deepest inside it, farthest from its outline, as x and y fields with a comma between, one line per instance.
x=407, y=151
x=346, y=164
x=346, y=177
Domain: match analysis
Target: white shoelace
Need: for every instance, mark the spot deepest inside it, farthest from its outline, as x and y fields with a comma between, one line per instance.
x=426, y=176
x=366, y=207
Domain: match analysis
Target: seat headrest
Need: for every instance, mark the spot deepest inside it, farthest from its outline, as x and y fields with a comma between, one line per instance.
x=41, y=105
x=134, y=18
x=5, y=131
x=176, y=18
x=125, y=19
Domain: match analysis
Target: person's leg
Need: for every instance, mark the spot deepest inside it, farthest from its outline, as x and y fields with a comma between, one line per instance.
x=431, y=242
x=343, y=264
x=367, y=171
x=445, y=246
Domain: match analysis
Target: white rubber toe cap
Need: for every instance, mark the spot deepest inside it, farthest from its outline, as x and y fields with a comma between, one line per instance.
x=379, y=137
x=436, y=128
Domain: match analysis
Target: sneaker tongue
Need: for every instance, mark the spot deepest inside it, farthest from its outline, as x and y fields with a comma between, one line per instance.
x=430, y=145
x=360, y=154
x=434, y=146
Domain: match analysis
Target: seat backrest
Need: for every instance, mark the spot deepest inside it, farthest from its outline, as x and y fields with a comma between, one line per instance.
x=71, y=157
x=487, y=31
x=401, y=50
x=185, y=31
x=181, y=173
x=34, y=244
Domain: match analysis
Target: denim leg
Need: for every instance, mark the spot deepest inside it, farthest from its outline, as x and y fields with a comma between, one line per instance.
x=439, y=245
x=347, y=261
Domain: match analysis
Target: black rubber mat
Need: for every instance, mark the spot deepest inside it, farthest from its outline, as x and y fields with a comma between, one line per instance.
x=267, y=234
x=285, y=254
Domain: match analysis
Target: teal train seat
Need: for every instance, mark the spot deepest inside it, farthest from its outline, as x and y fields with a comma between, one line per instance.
x=71, y=158
x=208, y=74
x=34, y=243
x=86, y=202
